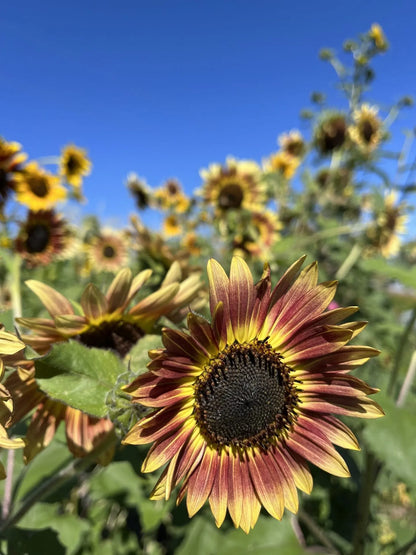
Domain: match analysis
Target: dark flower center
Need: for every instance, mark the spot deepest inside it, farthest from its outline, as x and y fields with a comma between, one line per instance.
x=333, y=135
x=39, y=186
x=109, y=251
x=231, y=196
x=73, y=165
x=38, y=238
x=117, y=336
x=367, y=131
x=245, y=397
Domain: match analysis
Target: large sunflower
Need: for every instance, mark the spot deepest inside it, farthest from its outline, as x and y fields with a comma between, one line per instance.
x=74, y=165
x=245, y=402
x=37, y=189
x=237, y=184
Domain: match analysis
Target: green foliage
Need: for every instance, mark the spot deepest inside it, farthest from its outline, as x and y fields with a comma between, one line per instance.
x=79, y=376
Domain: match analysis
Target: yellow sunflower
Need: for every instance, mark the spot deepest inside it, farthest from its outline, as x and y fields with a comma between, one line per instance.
x=37, y=189
x=389, y=223
x=367, y=131
x=292, y=143
x=242, y=404
x=10, y=346
x=235, y=185
x=171, y=226
x=171, y=197
x=259, y=236
x=74, y=165
x=283, y=163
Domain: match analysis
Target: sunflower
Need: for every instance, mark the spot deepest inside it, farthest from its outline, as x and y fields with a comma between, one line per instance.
x=190, y=243
x=37, y=189
x=171, y=226
x=107, y=322
x=264, y=228
x=330, y=133
x=43, y=238
x=108, y=251
x=140, y=190
x=11, y=159
x=376, y=33
x=74, y=165
x=243, y=403
x=237, y=184
x=171, y=197
x=367, y=131
x=389, y=223
x=292, y=143
x=283, y=163
x=10, y=346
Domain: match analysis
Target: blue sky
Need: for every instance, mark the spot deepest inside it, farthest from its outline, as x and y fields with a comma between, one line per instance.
x=165, y=87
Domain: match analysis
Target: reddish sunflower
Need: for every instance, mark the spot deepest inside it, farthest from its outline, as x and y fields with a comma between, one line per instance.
x=242, y=404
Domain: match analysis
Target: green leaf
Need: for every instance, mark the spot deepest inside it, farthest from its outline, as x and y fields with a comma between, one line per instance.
x=70, y=528
x=391, y=438
x=79, y=376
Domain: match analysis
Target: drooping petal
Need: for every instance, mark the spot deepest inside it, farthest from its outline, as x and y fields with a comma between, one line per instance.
x=55, y=303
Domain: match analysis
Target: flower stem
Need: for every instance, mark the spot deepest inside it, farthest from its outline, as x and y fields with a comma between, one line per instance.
x=368, y=480
x=407, y=384
x=349, y=262
x=317, y=531
x=51, y=484
x=400, y=352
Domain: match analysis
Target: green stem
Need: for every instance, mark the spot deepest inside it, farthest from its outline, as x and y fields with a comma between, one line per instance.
x=349, y=262
x=369, y=477
x=400, y=352
x=14, y=283
x=408, y=381
x=51, y=484
x=317, y=531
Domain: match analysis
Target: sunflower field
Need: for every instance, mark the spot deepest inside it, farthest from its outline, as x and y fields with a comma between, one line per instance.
x=238, y=377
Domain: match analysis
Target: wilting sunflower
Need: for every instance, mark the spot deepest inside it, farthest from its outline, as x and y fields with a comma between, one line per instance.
x=43, y=238
x=171, y=197
x=367, y=131
x=292, y=143
x=389, y=223
x=283, y=163
x=237, y=184
x=243, y=403
x=37, y=189
x=74, y=165
x=331, y=133
x=10, y=345
x=11, y=159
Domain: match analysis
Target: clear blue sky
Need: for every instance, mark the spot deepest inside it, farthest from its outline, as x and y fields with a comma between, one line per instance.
x=164, y=87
